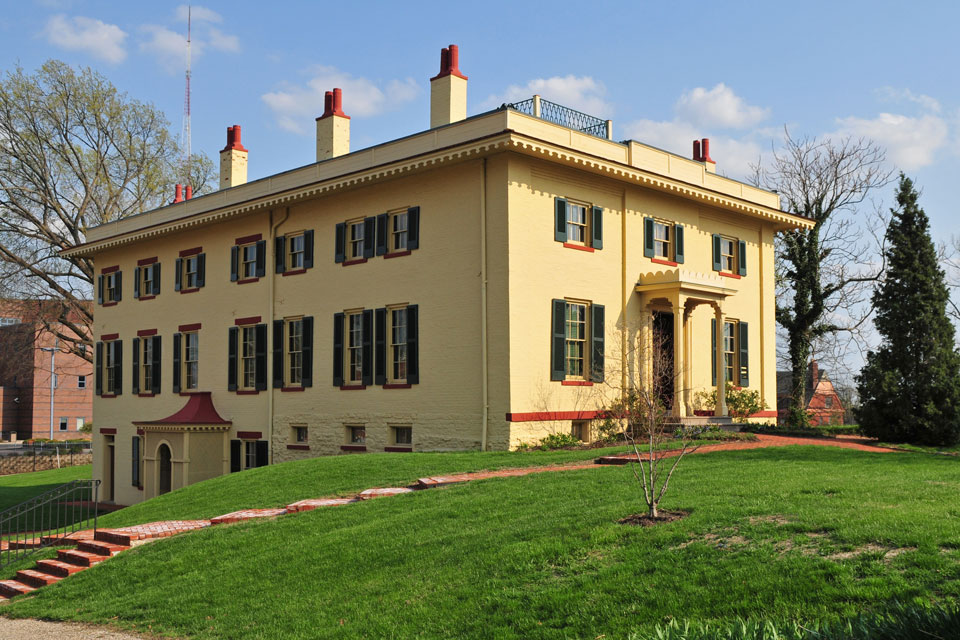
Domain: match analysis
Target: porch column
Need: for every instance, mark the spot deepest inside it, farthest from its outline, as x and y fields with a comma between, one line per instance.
x=643, y=361
x=688, y=368
x=679, y=365
x=721, y=408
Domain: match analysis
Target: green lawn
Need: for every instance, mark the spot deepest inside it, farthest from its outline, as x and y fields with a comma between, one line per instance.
x=17, y=488
x=792, y=533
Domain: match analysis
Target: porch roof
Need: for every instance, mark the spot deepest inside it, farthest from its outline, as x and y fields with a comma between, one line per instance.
x=691, y=283
x=199, y=410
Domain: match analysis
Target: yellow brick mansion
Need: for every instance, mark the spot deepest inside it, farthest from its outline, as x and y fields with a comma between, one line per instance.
x=472, y=286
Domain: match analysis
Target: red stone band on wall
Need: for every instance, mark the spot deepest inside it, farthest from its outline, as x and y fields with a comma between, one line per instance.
x=248, y=239
x=145, y=261
x=551, y=415
x=191, y=252
x=110, y=336
x=115, y=267
x=108, y=431
x=764, y=414
x=250, y=320
x=249, y=435
x=146, y=332
x=189, y=327
x=669, y=263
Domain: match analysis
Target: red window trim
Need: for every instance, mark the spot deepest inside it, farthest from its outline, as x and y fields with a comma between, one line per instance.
x=398, y=449
x=251, y=320
x=189, y=327
x=109, y=336
x=352, y=387
x=578, y=247
x=248, y=280
x=146, y=332
x=726, y=274
x=669, y=263
x=353, y=447
x=140, y=432
x=112, y=269
x=195, y=289
x=299, y=447
x=142, y=298
x=257, y=237
x=247, y=392
x=576, y=383
x=109, y=304
x=352, y=262
x=404, y=385
x=146, y=394
x=294, y=273
x=551, y=415
x=398, y=254
x=290, y=389
x=186, y=253
x=146, y=261
x=250, y=435
x=108, y=431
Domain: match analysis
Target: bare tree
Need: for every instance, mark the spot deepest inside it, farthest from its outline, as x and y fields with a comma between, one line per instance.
x=74, y=153
x=825, y=274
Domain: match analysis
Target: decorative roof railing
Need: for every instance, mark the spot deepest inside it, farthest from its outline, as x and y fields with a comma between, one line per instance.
x=564, y=116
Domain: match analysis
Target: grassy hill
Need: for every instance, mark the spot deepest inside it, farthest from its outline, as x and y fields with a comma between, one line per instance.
x=19, y=487
x=795, y=533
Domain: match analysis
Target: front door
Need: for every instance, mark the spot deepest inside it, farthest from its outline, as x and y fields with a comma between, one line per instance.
x=165, y=469
x=663, y=373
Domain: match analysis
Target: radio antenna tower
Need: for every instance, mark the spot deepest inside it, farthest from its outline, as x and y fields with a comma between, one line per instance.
x=185, y=130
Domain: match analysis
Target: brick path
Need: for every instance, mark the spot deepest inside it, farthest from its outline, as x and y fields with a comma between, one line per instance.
x=95, y=547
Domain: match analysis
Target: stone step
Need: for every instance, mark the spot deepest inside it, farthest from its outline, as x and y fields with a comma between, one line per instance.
x=314, y=503
x=11, y=588
x=115, y=537
x=79, y=558
x=58, y=568
x=383, y=492
x=36, y=579
x=101, y=548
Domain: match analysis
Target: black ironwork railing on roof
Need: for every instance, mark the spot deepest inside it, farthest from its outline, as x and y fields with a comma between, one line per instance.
x=48, y=520
x=564, y=116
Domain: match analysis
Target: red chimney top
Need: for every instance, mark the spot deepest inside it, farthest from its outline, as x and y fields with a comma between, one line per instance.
x=233, y=139
x=189, y=193
x=333, y=104
x=697, y=155
x=705, y=157
x=177, y=193
x=449, y=62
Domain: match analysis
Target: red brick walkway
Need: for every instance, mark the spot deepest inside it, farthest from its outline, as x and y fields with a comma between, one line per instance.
x=95, y=547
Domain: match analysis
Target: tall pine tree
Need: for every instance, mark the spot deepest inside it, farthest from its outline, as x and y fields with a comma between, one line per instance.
x=910, y=387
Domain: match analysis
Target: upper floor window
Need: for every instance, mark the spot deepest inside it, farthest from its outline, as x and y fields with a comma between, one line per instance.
x=146, y=280
x=577, y=348
x=294, y=252
x=578, y=224
x=295, y=258
x=729, y=255
x=663, y=241
x=108, y=366
x=247, y=357
x=146, y=364
x=399, y=231
x=186, y=359
x=109, y=287
x=388, y=234
x=190, y=270
x=248, y=259
x=357, y=240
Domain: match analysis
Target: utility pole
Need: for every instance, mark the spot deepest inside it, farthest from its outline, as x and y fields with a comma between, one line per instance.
x=53, y=376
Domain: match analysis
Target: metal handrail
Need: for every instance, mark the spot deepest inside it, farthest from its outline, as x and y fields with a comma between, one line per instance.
x=47, y=519
x=564, y=116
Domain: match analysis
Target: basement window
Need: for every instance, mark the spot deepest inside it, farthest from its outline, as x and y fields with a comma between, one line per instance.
x=356, y=434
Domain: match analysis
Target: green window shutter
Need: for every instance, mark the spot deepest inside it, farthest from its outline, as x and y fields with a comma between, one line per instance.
x=263, y=453
x=99, y=289
x=98, y=369
x=380, y=346
x=260, y=373
x=713, y=351
x=178, y=274
x=596, y=353
x=558, y=370
x=135, y=474
x=280, y=254
x=382, y=233
x=560, y=220
x=177, y=366
x=742, y=258
x=338, y=349
x=744, y=356
x=413, y=228
x=308, y=249
x=717, y=261
x=156, y=278
x=155, y=365
x=136, y=366
x=235, y=450
x=306, y=349
x=277, y=354
x=367, y=352
x=413, y=344
x=136, y=283
x=597, y=240
x=678, y=243
x=340, y=244
x=234, y=262
x=201, y=269
x=233, y=339
x=118, y=358
x=261, y=258
x=369, y=236
x=648, y=237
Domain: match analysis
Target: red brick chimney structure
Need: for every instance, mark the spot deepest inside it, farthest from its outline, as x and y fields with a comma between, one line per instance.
x=333, y=127
x=233, y=160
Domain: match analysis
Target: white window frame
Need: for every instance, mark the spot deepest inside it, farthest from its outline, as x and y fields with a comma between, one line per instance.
x=355, y=239
x=146, y=281
x=298, y=431
x=395, y=432
x=248, y=357
x=353, y=347
x=248, y=261
x=731, y=369
x=356, y=434
x=110, y=382
x=572, y=344
x=81, y=381
x=294, y=260
x=185, y=375
x=397, y=354
x=578, y=227
x=191, y=271
x=110, y=287
x=293, y=352
x=728, y=261
x=64, y=423
x=146, y=364
x=663, y=241
x=399, y=230
x=249, y=454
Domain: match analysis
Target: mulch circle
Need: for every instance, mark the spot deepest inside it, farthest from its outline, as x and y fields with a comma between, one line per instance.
x=644, y=519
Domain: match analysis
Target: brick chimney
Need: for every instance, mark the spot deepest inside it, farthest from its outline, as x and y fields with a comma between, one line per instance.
x=701, y=153
x=233, y=160
x=448, y=90
x=177, y=193
x=188, y=192
x=333, y=127
x=814, y=372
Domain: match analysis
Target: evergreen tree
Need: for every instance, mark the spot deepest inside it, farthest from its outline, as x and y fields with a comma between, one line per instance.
x=910, y=387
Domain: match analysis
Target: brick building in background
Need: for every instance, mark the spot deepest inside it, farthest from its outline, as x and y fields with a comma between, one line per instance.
x=821, y=400
x=26, y=352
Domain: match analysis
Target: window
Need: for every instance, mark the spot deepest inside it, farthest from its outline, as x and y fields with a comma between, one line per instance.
x=730, y=351
x=356, y=240
x=663, y=241
x=146, y=280
x=191, y=360
x=354, y=345
x=191, y=268
x=112, y=355
x=80, y=423
x=402, y=436
x=295, y=252
x=248, y=357
x=399, y=225
x=577, y=345
x=300, y=434
x=146, y=364
x=8, y=321
x=81, y=382
x=580, y=429
x=735, y=349
x=294, y=354
x=398, y=345
x=575, y=341
x=111, y=287
x=248, y=261
x=728, y=254
x=250, y=454
x=356, y=435
x=662, y=245
x=577, y=223
x=63, y=424
x=828, y=402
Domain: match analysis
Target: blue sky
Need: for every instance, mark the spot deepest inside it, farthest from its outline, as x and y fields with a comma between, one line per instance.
x=666, y=73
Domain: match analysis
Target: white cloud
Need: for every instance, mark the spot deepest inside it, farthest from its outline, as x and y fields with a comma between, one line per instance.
x=168, y=47
x=891, y=94
x=91, y=36
x=577, y=92
x=198, y=14
x=224, y=42
x=911, y=142
x=718, y=107
x=296, y=106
